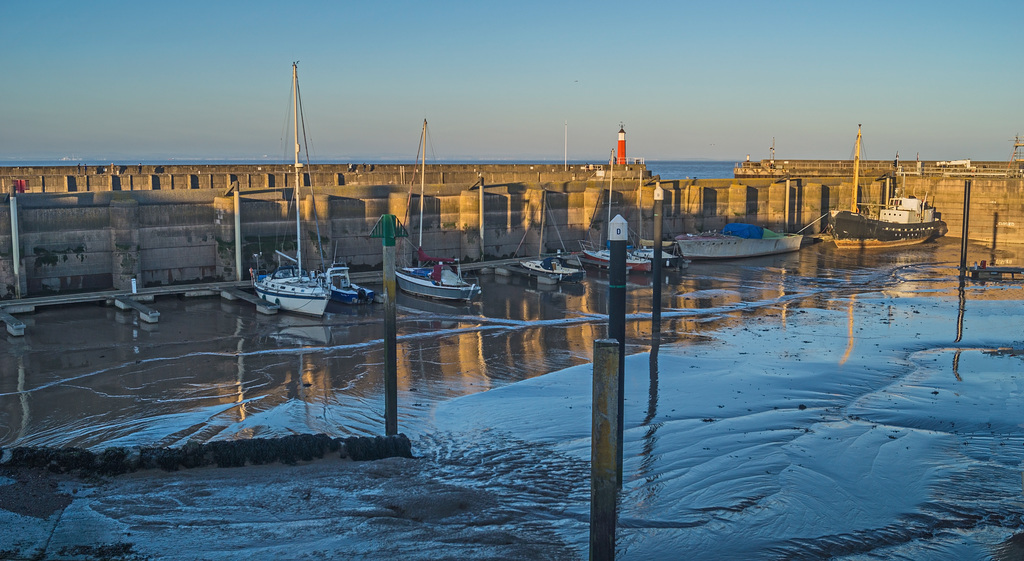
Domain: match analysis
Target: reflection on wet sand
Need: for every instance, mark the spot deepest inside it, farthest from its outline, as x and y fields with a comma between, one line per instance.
x=90, y=376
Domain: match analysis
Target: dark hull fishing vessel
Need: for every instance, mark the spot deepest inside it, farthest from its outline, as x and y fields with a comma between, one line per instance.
x=902, y=221
x=856, y=230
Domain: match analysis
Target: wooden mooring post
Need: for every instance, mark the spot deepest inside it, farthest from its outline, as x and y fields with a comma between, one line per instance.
x=604, y=451
x=388, y=228
x=659, y=203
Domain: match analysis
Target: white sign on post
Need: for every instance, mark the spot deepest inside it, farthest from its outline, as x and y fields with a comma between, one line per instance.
x=617, y=229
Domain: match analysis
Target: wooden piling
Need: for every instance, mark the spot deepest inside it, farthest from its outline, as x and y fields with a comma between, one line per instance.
x=388, y=228
x=605, y=451
x=966, y=228
x=238, y=236
x=659, y=203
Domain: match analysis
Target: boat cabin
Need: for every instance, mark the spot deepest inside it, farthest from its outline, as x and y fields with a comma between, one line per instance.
x=907, y=210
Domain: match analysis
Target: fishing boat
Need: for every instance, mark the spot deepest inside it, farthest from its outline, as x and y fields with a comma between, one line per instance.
x=735, y=241
x=291, y=287
x=903, y=220
x=442, y=278
x=343, y=289
x=555, y=268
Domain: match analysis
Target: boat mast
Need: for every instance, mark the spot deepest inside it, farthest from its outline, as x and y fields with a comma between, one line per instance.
x=611, y=172
x=423, y=172
x=298, y=165
x=856, y=172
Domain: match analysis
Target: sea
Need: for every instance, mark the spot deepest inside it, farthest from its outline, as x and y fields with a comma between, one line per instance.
x=692, y=169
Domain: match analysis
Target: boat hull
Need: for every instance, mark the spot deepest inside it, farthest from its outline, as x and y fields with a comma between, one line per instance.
x=352, y=296
x=667, y=259
x=558, y=273
x=420, y=286
x=852, y=230
x=293, y=298
x=602, y=257
x=732, y=247
x=343, y=290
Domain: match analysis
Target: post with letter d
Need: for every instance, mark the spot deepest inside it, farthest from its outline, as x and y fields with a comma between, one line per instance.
x=618, y=233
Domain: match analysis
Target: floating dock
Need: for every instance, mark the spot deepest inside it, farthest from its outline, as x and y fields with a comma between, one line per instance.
x=995, y=273
x=129, y=301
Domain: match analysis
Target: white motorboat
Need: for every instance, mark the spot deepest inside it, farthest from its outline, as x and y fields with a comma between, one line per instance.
x=343, y=289
x=736, y=241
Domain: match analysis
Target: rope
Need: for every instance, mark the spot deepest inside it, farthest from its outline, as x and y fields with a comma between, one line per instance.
x=812, y=223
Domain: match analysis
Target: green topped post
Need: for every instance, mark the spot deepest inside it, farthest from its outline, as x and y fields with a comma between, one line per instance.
x=388, y=228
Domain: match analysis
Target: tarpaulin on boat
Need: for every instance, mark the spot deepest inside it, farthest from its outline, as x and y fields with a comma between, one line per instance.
x=746, y=231
x=424, y=258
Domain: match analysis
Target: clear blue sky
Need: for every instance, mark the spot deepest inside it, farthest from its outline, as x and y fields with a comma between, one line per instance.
x=498, y=80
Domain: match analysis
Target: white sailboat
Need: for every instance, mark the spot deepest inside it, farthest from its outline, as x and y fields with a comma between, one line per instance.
x=443, y=279
x=291, y=287
x=555, y=268
x=602, y=257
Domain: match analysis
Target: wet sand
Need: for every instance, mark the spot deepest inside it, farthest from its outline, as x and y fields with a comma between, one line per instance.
x=813, y=405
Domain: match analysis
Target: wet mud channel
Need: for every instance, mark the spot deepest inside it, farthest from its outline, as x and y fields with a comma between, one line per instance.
x=821, y=404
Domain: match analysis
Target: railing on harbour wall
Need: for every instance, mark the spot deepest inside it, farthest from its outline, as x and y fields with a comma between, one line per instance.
x=844, y=168
x=119, y=177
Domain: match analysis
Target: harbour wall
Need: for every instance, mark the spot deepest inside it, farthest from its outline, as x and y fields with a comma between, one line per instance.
x=104, y=238
x=119, y=177
x=844, y=168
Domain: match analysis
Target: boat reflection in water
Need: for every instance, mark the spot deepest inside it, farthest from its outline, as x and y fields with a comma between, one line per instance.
x=104, y=382
x=775, y=377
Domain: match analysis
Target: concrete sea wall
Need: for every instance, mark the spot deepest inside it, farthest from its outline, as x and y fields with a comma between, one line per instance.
x=101, y=238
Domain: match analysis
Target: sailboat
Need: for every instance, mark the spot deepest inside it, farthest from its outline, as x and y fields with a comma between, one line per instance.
x=442, y=278
x=901, y=221
x=555, y=268
x=291, y=287
x=646, y=249
x=602, y=257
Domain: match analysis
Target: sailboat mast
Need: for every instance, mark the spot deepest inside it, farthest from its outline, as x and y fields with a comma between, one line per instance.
x=856, y=172
x=611, y=172
x=423, y=173
x=298, y=165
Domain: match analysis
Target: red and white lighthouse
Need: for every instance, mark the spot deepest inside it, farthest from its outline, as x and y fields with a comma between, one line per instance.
x=621, y=159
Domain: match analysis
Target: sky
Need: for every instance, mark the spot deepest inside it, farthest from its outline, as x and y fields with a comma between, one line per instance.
x=525, y=80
